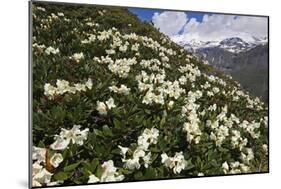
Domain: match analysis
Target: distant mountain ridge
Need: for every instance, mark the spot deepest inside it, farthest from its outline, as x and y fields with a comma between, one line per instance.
x=233, y=44
x=246, y=62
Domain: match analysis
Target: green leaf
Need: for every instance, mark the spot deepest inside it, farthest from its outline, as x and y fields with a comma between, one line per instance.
x=162, y=122
x=99, y=171
x=150, y=173
x=189, y=165
x=107, y=131
x=71, y=167
x=117, y=123
x=94, y=164
x=88, y=166
x=126, y=171
x=98, y=133
x=61, y=176
x=138, y=175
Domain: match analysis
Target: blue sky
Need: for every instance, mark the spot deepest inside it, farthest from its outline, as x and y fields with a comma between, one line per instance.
x=146, y=14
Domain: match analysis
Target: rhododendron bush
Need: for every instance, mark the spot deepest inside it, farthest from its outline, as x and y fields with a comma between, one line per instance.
x=116, y=100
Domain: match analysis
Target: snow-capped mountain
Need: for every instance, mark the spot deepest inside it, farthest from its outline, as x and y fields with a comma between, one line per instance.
x=233, y=44
x=246, y=60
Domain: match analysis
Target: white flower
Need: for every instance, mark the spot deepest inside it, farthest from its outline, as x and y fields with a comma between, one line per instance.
x=146, y=160
x=89, y=84
x=180, y=164
x=101, y=107
x=77, y=57
x=52, y=50
x=60, y=14
x=56, y=159
x=93, y=179
x=123, y=150
x=110, y=51
x=166, y=160
x=110, y=103
x=49, y=90
x=80, y=87
x=110, y=173
x=64, y=87
x=36, y=168
x=170, y=104
x=135, y=47
x=151, y=135
x=39, y=154
x=177, y=163
x=60, y=143
x=41, y=8
x=138, y=153
x=123, y=48
x=213, y=107
x=132, y=163
x=216, y=90
x=74, y=135
x=265, y=148
x=200, y=174
x=182, y=80
x=122, y=90
x=40, y=175
x=143, y=142
x=244, y=168
x=121, y=67
x=192, y=129
x=148, y=137
x=248, y=156
x=225, y=167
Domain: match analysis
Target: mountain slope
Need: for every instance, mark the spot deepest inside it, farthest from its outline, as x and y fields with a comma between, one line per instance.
x=251, y=70
x=116, y=100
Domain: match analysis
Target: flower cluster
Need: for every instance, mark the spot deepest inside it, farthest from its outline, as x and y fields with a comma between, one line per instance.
x=177, y=163
x=235, y=168
x=148, y=137
x=51, y=50
x=237, y=141
x=251, y=128
x=74, y=135
x=77, y=57
x=193, y=132
x=62, y=87
x=40, y=174
x=121, y=67
x=156, y=88
x=123, y=89
x=103, y=107
x=109, y=174
x=191, y=72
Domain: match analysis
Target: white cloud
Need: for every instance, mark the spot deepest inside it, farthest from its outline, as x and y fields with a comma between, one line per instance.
x=213, y=27
x=170, y=22
x=218, y=27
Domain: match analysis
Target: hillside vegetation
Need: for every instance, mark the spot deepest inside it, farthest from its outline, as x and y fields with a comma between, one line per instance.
x=116, y=100
x=249, y=68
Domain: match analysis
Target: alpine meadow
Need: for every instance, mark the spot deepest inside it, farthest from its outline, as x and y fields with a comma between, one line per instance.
x=116, y=100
